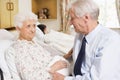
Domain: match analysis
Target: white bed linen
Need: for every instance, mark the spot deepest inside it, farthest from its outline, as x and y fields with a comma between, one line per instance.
x=4, y=44
x=61, y=41
x=6, y=35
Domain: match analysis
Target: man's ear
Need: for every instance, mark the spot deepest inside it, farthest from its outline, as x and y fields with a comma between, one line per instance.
x=86, y=17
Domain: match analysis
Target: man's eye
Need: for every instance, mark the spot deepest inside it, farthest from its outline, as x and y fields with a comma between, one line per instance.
x=72, y=19
x=68, y=17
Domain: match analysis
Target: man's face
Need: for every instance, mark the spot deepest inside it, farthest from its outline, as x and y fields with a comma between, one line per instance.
x=79, y=23
x=27, y=31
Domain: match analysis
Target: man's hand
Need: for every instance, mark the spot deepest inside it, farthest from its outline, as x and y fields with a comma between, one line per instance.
x=69, y=54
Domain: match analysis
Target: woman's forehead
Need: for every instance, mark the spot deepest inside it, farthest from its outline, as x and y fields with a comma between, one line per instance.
x=29, y=21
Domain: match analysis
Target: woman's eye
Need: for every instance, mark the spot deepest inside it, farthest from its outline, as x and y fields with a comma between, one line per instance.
x=28, y=25
x=34, y=25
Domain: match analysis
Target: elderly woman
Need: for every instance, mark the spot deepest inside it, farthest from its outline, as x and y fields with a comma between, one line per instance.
x=25, y=58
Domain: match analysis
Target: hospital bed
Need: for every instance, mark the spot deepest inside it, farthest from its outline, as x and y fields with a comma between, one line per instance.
x=55, y=42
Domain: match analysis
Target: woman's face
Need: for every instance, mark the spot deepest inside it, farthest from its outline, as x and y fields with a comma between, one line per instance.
x=28, y=29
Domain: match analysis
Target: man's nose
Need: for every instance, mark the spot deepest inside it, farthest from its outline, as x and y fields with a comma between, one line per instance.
x=70, y=22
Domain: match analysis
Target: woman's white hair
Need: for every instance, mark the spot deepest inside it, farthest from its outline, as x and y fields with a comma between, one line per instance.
x=21, y=17
x=82, y=7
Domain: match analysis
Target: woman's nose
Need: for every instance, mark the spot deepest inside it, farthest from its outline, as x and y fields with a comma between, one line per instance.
x=33, y=29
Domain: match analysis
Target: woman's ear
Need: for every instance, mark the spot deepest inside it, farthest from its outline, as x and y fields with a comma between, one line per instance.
x=17, y=28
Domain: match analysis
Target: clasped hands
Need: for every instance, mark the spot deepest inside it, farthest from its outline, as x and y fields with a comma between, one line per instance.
x=57, y=66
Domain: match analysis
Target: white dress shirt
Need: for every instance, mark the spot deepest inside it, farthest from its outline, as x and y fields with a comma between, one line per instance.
x=102, y=59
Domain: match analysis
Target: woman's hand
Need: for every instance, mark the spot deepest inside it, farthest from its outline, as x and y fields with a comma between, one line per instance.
x=57, y=66
x=57, y=76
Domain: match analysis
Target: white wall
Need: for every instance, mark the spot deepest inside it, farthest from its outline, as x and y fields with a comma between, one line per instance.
x=24, y=5
x=54, y=23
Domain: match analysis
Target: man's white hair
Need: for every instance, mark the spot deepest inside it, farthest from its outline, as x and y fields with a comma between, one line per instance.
x=82, y=7
x=21, y=17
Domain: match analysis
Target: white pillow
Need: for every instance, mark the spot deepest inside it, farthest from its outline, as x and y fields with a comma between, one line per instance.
x=16, y=34
x=39, y=34
x=6, y=35
x=4, y=44
x=64, y=71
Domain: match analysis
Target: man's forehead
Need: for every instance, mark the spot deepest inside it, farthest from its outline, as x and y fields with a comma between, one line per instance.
x=72, y=13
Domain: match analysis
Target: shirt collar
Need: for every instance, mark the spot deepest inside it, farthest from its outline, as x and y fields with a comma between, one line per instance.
x=92, y=34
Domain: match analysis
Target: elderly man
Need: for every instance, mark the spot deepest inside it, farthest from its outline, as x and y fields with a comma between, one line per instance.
x=96, y=52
